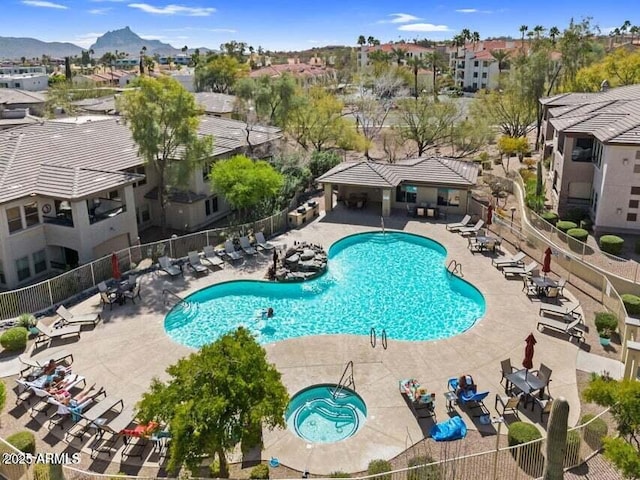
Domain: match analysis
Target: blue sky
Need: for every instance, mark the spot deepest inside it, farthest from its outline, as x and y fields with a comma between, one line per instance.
x=284, y=24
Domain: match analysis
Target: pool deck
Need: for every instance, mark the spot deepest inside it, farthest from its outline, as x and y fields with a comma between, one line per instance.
x=130, y=347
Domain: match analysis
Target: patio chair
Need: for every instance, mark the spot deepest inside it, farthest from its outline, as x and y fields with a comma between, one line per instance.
x=102, y=287
x=230, y=251
x=573, y=329
x=195, y=263
x=34, y=365
x=543, y=374
x=471, y=231
x=568, y=309
x=246, y=246
x=513, y=261
x=553, y=293
x=528, y=287
x=262, y=243
x=47, y=333
x=520, y=271
x=211, y=257
x=545, y=405
x=84, y=319
x=473, y=245
x=133, y=294
x=506, y=368
x=167, y=267
x=509, y=404
x=108, y=299
x=561, y=284
x=454, y=227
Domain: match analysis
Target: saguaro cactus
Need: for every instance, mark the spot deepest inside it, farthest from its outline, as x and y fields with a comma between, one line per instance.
x=556, y=440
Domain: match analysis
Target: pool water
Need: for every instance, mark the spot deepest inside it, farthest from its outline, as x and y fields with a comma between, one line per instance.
x=325, y=413
x=394, y=281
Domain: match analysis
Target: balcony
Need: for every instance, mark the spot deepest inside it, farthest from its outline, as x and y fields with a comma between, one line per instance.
x=104, y=208
x=63, y=218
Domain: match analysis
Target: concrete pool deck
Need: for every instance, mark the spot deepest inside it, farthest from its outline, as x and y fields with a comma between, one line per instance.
x=130, y=347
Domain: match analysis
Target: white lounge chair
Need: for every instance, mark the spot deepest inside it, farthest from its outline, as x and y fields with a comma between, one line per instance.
x=454, y=227
x=568, y=309
x=47, y=333
x=34, y=365
x=246, y=246
x=83, y=319
x=520, y=271
x=230, y=251
x=262, y=243
x=167, y=267
x=211, y=257
x=573, y=329
x=196, y=264
x=466, y=231
x=513, y=261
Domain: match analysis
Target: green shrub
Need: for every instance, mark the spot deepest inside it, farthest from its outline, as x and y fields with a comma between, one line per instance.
x=260, y=472
x=572, y=452
x=551, y=217
x=3, y=395
x=595, y=431
x=586, y=224
x=23, y=441
x=631, y=303
x=376, y=467
x=26, y=320
x=14, y=339
x=564, y=225
x=41, y=471
x=527, y=175
x=339, y=475
x=606, y=324
x=430, y=472
x=576, y=215
x=578, y=233
x=611, y=244
x=521, y=432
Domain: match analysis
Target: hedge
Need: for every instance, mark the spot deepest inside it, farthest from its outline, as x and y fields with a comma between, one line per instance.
x=595, y=431
x=339, y=475
x=606, y=321
x=23, y=441
x=551, y=217
x=14, y=339
x=587, y=223
x=521, y=432
x=564, y=225
x=377, y=467
x=431, y=472
x=611, y=244
x=3, y=395
x=260, y=472
x=631, y=303
x=578, y=233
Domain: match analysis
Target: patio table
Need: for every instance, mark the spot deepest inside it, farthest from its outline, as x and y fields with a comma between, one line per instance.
x=542, y=284
x=483, y=240
x=526, y=382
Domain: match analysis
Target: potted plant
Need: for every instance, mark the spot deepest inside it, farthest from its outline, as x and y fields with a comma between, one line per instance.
x=606, y=324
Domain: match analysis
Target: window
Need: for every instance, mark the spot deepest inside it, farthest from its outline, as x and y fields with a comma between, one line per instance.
x=210, y=206
x=634, y=203
x=597, y=153
x=561, y=137
x=475, y=74
x=476, y=63
x=143, y=214
x=635, y=190
x=22, y=266
x=448, y=197
x=31, y=214
x=484, y=74
x=39, y=261
x=114, y=195
x=582, y=150
x=14, y=219
x=141, y=171
x=637, y=154
x=475, y=85
x=636, y=168
x=485, y=64
x=631, y=217
x=406, y=193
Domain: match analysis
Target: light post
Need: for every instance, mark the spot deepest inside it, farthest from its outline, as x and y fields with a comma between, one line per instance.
x=513, y=211
x=499, y=421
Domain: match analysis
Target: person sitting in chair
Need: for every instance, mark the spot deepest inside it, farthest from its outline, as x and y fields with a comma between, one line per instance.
x=466, y=386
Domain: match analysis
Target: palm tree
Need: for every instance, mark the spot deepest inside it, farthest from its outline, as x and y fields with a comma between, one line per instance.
x=538, y=30
x=523, y=30
x=457, y=41
x=184, y=49
x=416, y=64
x=361, y=40
x=500, y=56
x=624, y=28
x=553, y=33
x=143, y=53
x=475, y=38
x=434, y=60
x=634, y=30
x=371, y=40
x=615, y=33
x=399, y=55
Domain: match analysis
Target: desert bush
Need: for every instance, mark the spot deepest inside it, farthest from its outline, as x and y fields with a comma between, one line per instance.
x=631, y=303
x=586, y=224
x=14, y=339
x=26, y=320
x=260, y=472
x=376, y=467
x=23, y=441
x=611, y=244
x=595, y=431
x=339, y=475
x=521, y=432
x=606, y=323
x=579, y=234
x=430, y=472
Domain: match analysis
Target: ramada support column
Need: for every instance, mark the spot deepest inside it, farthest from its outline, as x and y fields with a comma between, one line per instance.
x=328, y=197
x=386, y=202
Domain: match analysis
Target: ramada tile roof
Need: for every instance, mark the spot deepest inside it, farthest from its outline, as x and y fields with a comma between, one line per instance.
x=432, y=170
x=63, y=159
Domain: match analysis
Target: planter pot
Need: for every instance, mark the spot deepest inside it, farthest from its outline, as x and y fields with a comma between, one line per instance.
x=605, y=341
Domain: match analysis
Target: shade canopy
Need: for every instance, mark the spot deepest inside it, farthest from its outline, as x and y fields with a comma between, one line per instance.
x=528, y=351
x=489, y=215
x=546, y=264
x=115, y=266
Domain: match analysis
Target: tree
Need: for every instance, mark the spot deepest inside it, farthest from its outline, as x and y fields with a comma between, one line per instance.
x=511, y=146
x=322, y=162
x=435, y=62
x=507, y=109
x=623, y=397
x=523, y=30
x=501, y=57
x=399, y=54
x=416, y=63
x=538, y=30
x=108, y=60
x=554, y=33
x=219, y=73
x=361, y=40
x=245, y=183
x=272, y=98
x=370, y=112
x=578, y=49
x=371, y=40
x=215, y=399
x=470, y=136
x=426, y=122
x=234, y=49
x=163, y=119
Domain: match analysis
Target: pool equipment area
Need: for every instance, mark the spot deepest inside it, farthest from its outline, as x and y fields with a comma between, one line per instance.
x=393, y=281
x=326, y=413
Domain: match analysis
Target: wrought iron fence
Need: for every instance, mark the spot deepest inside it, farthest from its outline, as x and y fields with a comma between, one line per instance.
x=42, y=296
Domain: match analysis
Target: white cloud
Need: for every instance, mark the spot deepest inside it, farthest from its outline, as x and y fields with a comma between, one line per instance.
x=153, y=37
x=467, y=10
x=99, y=11
x=113, y=1
x=84, y=40
x=423, y=27
x=400, y=18
x=222, y=30
x=44, y=4
x=174, y=10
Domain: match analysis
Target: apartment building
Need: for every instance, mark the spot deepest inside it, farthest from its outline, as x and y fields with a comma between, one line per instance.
x=410, y=51
x=74, y=190
x=473, y=66
x=594, y=143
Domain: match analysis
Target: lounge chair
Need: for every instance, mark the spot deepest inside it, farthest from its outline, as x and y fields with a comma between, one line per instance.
x=47, y=333
x=520, y=271
x=568, y=309
x=230, y=251
x=454, y=227
x=246, y=246
x=262, y=243
x=513, y=261
x=573, y=329
x=83, y=319
x=196, y=264
x=133, y=294
x=167, y=267
x=471, y=231
x=421, y=401
x=73, y=380
x=211, y=257
x=34, y=365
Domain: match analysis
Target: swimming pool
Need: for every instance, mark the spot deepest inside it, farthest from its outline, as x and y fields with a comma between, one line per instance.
x=394, y=281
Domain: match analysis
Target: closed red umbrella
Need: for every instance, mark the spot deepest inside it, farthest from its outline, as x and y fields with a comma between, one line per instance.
x=115, y=266
x=489, y=215
x=546, y=264
x=528, y=352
